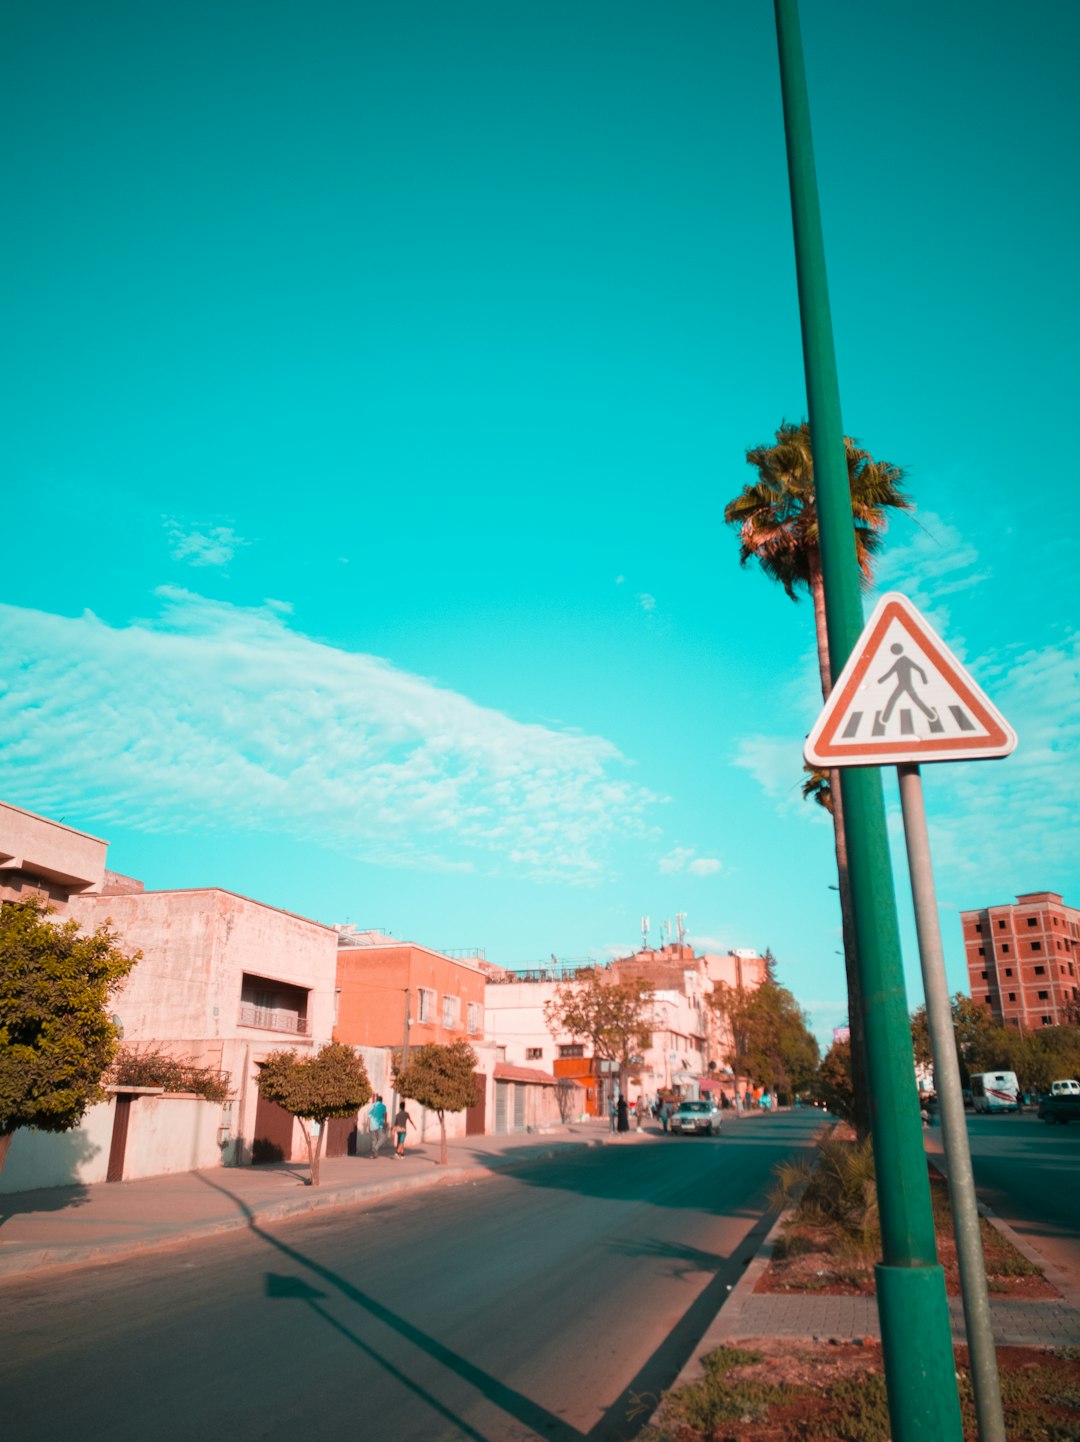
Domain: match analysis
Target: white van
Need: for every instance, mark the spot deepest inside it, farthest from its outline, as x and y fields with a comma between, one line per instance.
x=1068, y=1088
x=995, y=1091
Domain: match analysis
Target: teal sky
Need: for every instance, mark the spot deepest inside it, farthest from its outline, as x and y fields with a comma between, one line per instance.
x=375, y=378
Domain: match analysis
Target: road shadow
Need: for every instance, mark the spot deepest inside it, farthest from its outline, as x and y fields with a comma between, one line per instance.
x=626, y=1416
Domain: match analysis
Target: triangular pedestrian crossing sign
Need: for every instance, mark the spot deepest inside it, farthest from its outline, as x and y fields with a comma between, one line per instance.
x=902, y=697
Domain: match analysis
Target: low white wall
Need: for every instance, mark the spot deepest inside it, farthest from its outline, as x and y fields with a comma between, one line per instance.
x=60, y=1159
x=172, y=1134
x=165, y=1134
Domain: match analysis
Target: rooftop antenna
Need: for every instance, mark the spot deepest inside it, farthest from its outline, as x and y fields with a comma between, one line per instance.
x=667, y=931
x=680, y=926
x=645, y=923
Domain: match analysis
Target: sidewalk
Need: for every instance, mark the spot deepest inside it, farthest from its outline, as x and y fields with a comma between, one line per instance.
x=78, y=1225
x=813, y=1317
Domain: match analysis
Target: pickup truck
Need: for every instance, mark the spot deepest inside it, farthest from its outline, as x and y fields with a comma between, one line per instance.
x=1060, y=1109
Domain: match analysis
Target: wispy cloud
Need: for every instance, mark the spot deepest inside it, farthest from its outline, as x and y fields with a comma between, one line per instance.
x=682, y=858
x=645, y=601
x=213, y=714
x=202, y=545
x=938, y=561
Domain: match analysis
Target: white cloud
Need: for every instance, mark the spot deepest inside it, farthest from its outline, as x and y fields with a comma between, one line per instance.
x=682, y=858
x=704, y=866
x=215, y=715
x=776, y=764
x=202, y=545
x=646, y=602
x=675, y=860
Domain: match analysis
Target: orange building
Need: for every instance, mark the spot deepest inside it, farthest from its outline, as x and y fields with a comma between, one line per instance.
x=1022, y=960
x=389, y=991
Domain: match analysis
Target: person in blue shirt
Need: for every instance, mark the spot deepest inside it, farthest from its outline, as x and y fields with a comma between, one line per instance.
x=377, y=1125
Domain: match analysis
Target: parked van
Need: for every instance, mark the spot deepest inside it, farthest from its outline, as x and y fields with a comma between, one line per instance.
x=1068, y=1088
x=995, y=1091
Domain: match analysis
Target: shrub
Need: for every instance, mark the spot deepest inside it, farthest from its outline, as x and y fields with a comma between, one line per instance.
x=149, y=1066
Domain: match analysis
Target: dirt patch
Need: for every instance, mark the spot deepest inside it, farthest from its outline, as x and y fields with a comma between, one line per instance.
x=812, y=1259
x=775, y=1390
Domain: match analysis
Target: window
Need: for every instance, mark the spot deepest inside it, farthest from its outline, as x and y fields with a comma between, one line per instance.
x=986, y=976
x=1005, y=948
x=1008, y=971
x=534, y=1053
x=476, y=1017
x=1040, y=971
x=1012, y=995
x=1036, y=946
x=1032, y=921
x=982, y=950
x=451, y=1011
x=1047, y=1020
x=978, y=927
x=1001, y=926
x=1044, y=996
x=425, y=1004
x=574, y=1049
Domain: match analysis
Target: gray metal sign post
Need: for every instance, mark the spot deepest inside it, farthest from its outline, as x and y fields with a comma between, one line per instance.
x=902, y=698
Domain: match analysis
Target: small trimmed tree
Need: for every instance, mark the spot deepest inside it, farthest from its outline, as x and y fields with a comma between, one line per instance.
x=333, y=1083
x=441, y=1078
x=56, y=1037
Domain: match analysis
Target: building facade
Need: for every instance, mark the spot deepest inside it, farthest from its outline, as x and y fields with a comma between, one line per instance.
x=1022, y=960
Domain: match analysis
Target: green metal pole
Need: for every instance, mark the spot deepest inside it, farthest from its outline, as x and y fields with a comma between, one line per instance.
x=916, y=1333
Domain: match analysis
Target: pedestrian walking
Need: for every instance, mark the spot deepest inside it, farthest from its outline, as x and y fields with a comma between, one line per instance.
x=377, y=1125
x=622, y=1122
x=402, y=1120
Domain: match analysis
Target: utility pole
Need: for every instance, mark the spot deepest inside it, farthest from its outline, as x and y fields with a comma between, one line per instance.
x=915, y=1328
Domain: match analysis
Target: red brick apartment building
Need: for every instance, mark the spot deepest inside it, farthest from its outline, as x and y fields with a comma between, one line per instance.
x=1022, y=960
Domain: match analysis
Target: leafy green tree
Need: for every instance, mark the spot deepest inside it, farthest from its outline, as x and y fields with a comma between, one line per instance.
x=442, y=1078
x=771, y=1040
x=981, y=1045
x=1043, y=1056
x=56, y=1037
x=776, y=518
x=833, y=1083
x=333, y=1083
x=615, y=1017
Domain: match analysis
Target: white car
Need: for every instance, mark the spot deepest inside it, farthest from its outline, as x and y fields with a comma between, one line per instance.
x=700, y=1118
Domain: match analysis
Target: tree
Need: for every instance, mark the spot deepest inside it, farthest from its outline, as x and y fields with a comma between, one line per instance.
x=441, y=1078
x=981, y=1044
x=614, y=1016
x=776, y=518
x=834, y=1080
x=771, y=1040
x=56, y=1037
x=333, y=1083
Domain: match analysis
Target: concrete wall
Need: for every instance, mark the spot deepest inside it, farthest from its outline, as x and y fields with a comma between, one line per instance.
x=165, y=1134
x=45, y=858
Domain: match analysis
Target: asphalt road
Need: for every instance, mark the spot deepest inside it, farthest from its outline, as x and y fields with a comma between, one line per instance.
x=1030, y=1174
x=532, y=1305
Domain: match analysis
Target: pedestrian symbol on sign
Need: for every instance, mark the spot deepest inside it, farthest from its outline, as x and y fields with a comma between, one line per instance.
x=902, y=697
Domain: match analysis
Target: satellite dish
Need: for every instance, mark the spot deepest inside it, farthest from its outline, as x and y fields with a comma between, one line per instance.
x=119, y=1026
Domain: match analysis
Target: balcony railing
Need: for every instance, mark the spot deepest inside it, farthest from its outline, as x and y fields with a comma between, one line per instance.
x=272, y=1018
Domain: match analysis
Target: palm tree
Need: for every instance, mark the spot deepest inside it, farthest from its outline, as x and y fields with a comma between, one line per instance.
x=776, y=517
